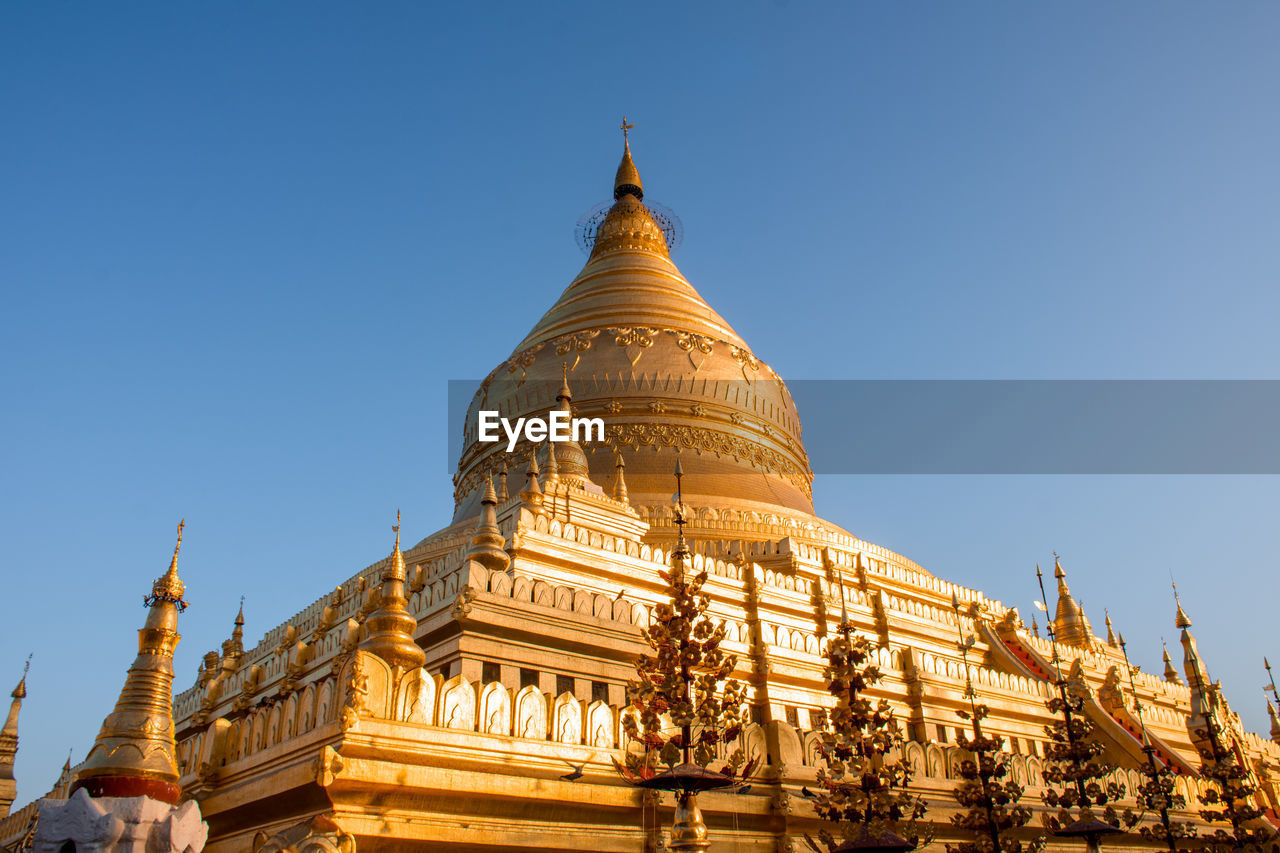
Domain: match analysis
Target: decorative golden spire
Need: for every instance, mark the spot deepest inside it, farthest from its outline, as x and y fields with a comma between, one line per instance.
x=566, y=460
x=619, y=481
x=488, y=546
x=564, y=397
x=1070, y=626
x=1197, y=675
x=1170, y=673
x=503, y=494
x=169, y=587
x=20, y=691
x=552, y=475
x=237, y=632
x=629, y=226
x=627, y=180
x=391, y=626
x=1111, y=634
x=1180, y=620
x=133, y=754
x=9, y=744
x=532, y=493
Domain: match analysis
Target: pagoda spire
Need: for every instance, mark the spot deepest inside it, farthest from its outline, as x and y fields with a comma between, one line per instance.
x=627, y=180
x=1170, y=672
x=9, y=744
x=237, y=632
x=391, y=626
x=564, y=396
x=1181, y=619
x=133, y=754
x=503, y=493
x=1275, y=723
x=1197, y=677
x=19, y=693
x=1111, y=634
x=488, y=546
x=532, y=493
x=552, y=475
x=619, y=480
x=1070, y=626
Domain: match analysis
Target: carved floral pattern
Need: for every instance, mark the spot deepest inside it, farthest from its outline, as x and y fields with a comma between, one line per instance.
x=575, y=341
x=640, y=336
x=689, y=341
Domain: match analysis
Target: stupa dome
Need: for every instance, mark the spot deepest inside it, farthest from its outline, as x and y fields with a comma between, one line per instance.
x=641, y=349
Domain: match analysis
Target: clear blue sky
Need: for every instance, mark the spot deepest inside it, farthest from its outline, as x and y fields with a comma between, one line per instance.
x=244, y=247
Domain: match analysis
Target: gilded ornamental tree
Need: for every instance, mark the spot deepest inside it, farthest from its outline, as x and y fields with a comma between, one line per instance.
x=1230, y=797
x=863, y=788
x=988, y=793
x=1158, y=793
x=687, y=705
x=1075, y=771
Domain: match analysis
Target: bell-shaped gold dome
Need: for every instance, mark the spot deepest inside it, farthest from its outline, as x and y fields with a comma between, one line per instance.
x=667, y=374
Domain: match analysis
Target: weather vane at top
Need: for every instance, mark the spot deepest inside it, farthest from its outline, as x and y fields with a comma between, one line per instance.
x=625, y=127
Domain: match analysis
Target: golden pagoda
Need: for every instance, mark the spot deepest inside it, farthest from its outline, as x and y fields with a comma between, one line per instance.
x=134, y=752
x=468, y=692
x=125, y=795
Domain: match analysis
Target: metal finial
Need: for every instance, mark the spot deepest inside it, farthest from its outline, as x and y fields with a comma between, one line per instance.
x=20, y=692
x=681, y=547
x=564, y=394
x=679, y=496
x=1049, y=626
x=845, y=625
x=964, y=644
x=627, y=179
x=169, y=587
